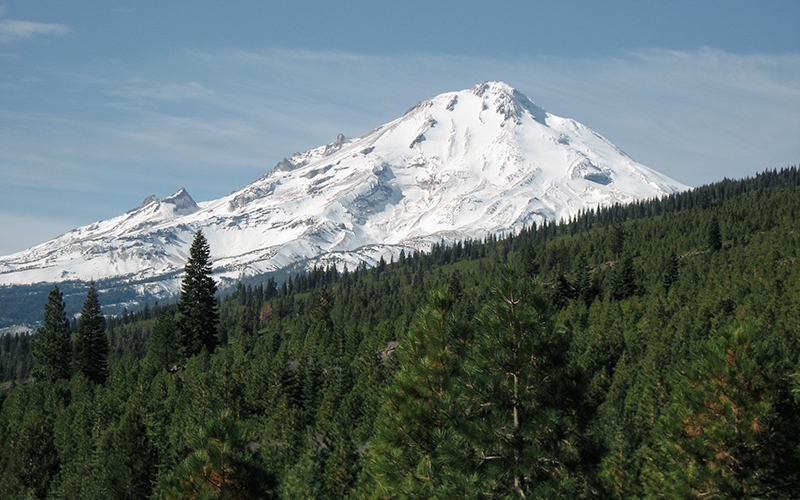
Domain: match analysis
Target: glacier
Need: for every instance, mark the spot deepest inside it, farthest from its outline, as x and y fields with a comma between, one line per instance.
x=462, y=165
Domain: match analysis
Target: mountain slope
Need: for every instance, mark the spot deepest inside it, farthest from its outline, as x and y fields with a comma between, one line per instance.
x=461, y=165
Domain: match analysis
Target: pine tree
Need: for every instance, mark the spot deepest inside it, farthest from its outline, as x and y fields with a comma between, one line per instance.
x=164, y=348
x=476, y=413
x=90, y=350
x=52, y=351
x=29, y=459
x=197, y=310
x=529, y=263
x=223, y=465
x=671, y=269
x=454, y=285
x=618, y=237
x=415, y=436
x=623, y=279
x=714, y=235
x=512, y=393
x=586, y=288
x=720, y=436
x=130, y=459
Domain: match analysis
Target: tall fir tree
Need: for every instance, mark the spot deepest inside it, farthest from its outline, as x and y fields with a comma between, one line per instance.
x=52, y=351
x=90, y=350
x=671, y=271
x=618, y=236
x=198, y=316
x=476, y=412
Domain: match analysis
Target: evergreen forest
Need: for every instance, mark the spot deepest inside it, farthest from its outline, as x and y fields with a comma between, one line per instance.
x=650, y=350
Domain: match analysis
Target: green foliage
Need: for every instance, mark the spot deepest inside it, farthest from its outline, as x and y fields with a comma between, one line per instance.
x=197, y=309
x=165, y=344
x=52, y=350
x=416, y=442
x=130, y=459
x=718, y=438
x=90, y=348
x=671, y=271
x=623, y=278
x=674, y=378
x=29, y=459
x=223, y=465
x=476, y=410
x=16, y=358
x=714, y=236
x=76, y=432
x=515, y=393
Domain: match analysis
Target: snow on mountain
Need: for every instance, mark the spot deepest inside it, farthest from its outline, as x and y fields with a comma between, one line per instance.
x=461, y=165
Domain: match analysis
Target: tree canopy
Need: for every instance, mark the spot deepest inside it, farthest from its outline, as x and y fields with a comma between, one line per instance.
x=90, y=354
x=621, y=355
x=197, y=309
x=52, y=349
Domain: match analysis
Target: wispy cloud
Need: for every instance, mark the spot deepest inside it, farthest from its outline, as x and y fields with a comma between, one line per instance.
x=695, y=115
x=13, y=30
x=214, y=121
x=141, y=89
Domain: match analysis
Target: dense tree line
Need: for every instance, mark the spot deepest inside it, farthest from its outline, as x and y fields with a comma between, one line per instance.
x=642, y=351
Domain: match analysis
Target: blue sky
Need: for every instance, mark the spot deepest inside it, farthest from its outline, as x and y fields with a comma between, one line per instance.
x=103, y=103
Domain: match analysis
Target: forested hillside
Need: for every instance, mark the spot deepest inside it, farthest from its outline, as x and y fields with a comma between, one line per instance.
x=649, y=350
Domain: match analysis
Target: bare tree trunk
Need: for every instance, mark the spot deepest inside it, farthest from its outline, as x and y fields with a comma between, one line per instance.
x=517, y=476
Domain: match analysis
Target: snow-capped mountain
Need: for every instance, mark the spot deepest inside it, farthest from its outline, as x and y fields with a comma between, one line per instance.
x=461, y=165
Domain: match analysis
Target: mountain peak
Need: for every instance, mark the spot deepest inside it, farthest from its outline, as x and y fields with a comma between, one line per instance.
x=184, y=204
x=492, y=87
x=509, y=102
x=461, y=165
x=180, y=203
x=335, y=145
x=147, y=201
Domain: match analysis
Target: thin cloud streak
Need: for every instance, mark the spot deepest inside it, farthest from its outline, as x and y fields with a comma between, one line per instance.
x=12, y=31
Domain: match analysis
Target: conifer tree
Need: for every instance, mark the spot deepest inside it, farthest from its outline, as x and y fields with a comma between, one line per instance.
x=476, y=413
x=623, y=279
x=415, y=440
x=512, y=394
x=52, y=351
x=29, y=459
x=671, y=269
x=454, y=285
x=197, y=310
x=321, y=314
x=164, y=348
x=719, y=437
x=529, y=263
x=90, y=349
x=714, y=235
x=130, y=461
x=223, y=465
x=618, y=237
x=586, y=288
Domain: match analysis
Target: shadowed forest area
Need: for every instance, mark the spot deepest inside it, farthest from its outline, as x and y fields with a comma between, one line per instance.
x=643, y=351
